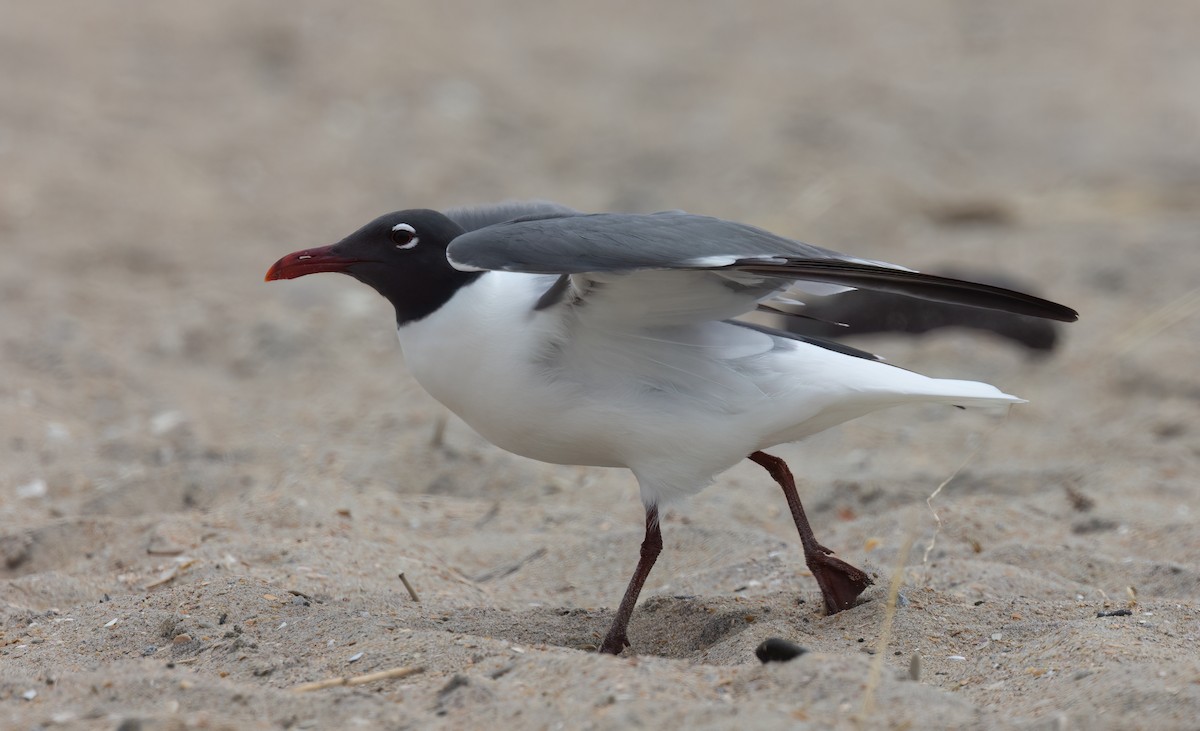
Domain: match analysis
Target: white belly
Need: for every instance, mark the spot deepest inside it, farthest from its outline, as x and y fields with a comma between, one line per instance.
x=488, y=373
x=677, y=409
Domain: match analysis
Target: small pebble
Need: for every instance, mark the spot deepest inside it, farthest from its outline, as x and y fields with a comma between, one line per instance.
x=181, y=639
x=36, y=488
x=355, y=657
x=166, y=421
x=56, y=432
x=29, y=694
x=777, y=649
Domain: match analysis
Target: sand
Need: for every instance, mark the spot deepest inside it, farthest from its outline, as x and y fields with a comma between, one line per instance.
x=211, y=485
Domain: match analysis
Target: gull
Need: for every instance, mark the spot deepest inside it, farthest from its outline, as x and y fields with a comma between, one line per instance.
x=613, y=340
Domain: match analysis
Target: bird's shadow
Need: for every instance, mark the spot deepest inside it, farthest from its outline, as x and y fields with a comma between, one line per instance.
x=677, y=627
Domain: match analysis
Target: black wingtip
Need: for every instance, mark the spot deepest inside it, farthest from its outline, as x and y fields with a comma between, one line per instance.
x=1069, y=315
x=1019, y=303
x=913, y=284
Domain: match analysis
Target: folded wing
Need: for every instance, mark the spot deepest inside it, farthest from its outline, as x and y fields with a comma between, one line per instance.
x=673, y=268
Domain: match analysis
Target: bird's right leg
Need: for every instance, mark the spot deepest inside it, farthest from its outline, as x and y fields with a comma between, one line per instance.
x=840, y=582
x=617, y=640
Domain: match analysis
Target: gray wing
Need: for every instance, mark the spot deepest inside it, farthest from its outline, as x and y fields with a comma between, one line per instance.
x=638, y=251
x=571, y=243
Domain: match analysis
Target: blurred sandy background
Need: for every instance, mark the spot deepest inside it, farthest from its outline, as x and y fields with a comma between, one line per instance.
x=209, y=484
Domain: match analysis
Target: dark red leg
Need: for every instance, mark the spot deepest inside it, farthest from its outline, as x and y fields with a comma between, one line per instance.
x=616, y=640
x=840, y=582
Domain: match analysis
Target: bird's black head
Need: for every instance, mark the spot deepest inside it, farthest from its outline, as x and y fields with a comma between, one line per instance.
x=402, y=255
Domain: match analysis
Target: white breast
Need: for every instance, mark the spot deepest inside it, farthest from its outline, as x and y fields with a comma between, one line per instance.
x=482, y=355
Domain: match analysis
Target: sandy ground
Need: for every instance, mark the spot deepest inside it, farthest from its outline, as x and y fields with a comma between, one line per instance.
x=209, y=485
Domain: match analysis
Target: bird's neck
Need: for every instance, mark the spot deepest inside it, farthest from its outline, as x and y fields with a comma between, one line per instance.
x=416, y=300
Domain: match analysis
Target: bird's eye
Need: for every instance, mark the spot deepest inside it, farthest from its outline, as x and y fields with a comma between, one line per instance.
x=404, y=236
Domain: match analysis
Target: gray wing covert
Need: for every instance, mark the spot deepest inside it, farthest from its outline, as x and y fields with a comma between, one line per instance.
x=606, y=242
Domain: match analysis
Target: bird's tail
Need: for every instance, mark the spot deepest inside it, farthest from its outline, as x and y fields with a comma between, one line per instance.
x=960, y=393
x=898, y=388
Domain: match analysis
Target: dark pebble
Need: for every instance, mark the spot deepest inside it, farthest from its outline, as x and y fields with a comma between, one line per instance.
x=456, y=682
x=1115, y=613
x=777, y=649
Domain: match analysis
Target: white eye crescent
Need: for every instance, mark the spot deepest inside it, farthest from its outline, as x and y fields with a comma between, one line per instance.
x=404, y=236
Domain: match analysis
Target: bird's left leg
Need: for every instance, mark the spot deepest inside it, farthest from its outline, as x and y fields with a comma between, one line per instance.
x=617, y=640
x=840, y=582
